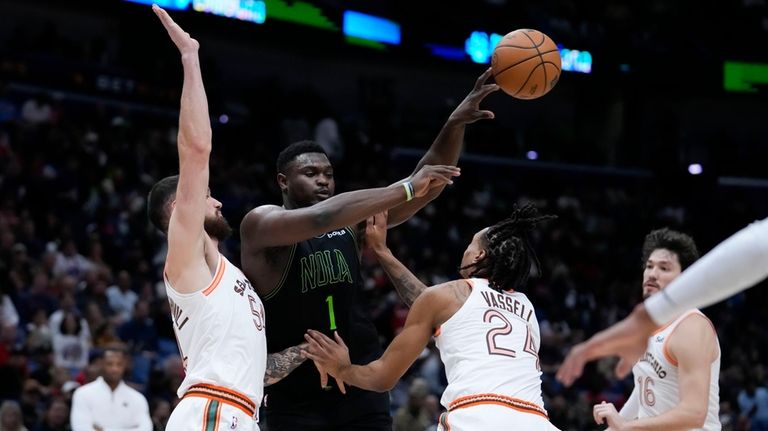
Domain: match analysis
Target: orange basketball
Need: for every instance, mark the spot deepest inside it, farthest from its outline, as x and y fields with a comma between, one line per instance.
x=526, y=64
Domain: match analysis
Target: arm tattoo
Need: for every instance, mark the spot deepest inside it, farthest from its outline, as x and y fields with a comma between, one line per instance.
x=407, y=286
x=282, y=363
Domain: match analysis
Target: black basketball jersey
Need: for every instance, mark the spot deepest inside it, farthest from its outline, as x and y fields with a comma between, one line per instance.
x=319, y=290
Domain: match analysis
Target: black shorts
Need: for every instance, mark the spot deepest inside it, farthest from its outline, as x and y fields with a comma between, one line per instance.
x=357, y=411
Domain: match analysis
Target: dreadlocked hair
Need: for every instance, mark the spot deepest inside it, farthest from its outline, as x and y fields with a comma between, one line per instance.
x=509, y=253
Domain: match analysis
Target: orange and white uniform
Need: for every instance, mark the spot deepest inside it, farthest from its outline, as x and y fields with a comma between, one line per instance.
x=490, y=350
x=657, y=386
x=220, y=331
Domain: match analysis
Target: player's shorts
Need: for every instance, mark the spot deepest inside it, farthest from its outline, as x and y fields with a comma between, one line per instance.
x=212, y=408
x=494, y=412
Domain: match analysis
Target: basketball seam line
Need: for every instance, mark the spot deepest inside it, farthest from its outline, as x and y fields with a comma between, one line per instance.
x=523, y=61
x=544, y=63
x=541, y=57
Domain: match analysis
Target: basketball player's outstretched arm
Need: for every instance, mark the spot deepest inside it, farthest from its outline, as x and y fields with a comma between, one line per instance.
x=694, y=345
x=382, y=374
x=736, y=264
x=186, y=236
x=408, y=286
x=272, y=226
x=281, y=364
x=446, y=148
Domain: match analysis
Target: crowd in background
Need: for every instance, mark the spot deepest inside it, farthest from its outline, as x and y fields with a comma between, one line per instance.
x=81, y=266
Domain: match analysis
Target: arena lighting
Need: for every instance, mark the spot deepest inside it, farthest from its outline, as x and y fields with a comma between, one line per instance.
x=244, y=10
x=480, y=45
x=695, y=169
x=447, y=52
x=575, y=61
x=743, y=77
x=532, y=155
x=370, y=27
x=299, y=12
x=223, y=118
x=165, y=4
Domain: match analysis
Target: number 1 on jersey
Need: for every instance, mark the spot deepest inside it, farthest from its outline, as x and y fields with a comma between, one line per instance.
x=332, y=316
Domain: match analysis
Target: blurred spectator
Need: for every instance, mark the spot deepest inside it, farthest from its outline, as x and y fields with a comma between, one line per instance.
x=70, y=262
x=10, y=417
x=67, y=306
x=39, y=335
x=9, y=319
x=108, y=403
x=71, y=344
x=160, y=414
x=753, y=404
x=139, y=333
x=37, y=110
x=414, y=415
x=56, y=417
x=121, y=296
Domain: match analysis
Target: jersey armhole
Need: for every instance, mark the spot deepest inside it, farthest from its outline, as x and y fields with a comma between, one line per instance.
x=286, y=270
x=667, y=353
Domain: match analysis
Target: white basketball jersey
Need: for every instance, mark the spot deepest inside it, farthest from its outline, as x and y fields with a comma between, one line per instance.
x=490, y=346
x=220, y=331
x=657, y=383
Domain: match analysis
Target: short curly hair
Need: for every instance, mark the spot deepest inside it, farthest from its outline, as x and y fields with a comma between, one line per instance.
x=676, y=242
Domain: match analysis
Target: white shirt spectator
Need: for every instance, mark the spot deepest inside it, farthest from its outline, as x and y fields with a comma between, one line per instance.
x=122, y=302
x=70, y=351
x=35, y=111
x=8, y=314
x=96, y=404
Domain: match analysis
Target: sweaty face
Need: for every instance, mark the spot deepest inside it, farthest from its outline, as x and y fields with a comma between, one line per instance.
x=308, y=179
x=473, y=254
x=661, y=268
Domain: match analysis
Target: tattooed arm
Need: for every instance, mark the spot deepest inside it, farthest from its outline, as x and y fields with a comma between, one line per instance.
x=281, y=364
x=407, y=285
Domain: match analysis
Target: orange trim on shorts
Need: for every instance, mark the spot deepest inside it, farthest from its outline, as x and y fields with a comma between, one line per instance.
x=217, y=277
x=224, y=395
x=205, y=414
x=443, y=421
x=500, y=400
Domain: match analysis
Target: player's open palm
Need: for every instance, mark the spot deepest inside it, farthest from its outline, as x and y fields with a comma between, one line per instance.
x=376, y=231
x=469, y=110
x=431, y=176
x=180, y=38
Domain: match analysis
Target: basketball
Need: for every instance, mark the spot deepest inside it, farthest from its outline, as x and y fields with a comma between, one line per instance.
x=526, y=64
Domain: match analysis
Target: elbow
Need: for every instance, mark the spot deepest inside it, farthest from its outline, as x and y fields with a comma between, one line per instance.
x=199, y=143
x=696, y=417
x=384, y=385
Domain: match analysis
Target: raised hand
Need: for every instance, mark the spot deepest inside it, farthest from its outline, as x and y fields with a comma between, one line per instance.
x=469, y=110
x=429, y=177
x=627, y=339
x=180, y=38
x=376, y=231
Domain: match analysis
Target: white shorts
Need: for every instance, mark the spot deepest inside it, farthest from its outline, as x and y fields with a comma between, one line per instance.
x=492, y=417
x=208, y=414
